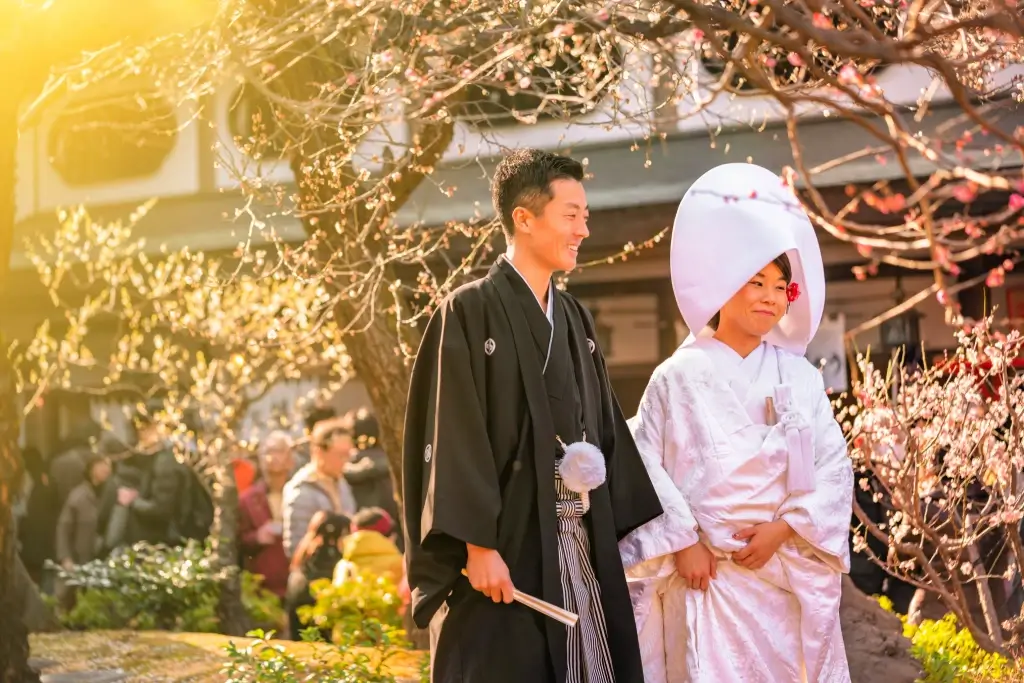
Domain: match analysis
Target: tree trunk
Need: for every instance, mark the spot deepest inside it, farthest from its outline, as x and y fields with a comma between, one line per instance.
x=231, y=614
x=376, y=361
x=36, y=615
x=374, y=347
x=13, y=634
x=14, y=648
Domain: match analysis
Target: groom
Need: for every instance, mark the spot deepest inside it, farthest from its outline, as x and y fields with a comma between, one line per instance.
x=508, y=373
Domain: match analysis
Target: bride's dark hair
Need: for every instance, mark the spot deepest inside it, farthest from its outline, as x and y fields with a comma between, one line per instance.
x=783, y=264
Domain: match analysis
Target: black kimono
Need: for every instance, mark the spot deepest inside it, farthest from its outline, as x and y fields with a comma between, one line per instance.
x=491, y=390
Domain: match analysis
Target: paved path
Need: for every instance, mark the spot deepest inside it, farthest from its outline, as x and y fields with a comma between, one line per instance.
x=40, y=665
x=112, y=676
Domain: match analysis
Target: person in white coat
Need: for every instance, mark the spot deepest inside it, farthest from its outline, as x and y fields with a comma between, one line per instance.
x=740, y=579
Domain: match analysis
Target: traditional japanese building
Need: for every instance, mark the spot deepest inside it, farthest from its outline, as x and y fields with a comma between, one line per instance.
x=162, y=151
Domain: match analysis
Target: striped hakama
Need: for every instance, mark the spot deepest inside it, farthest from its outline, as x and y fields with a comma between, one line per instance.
x=589, y=658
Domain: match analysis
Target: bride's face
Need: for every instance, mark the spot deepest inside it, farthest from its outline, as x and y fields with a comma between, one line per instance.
x=759, y=305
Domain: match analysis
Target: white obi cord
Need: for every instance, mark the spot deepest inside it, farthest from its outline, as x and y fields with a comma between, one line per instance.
x=799, y=442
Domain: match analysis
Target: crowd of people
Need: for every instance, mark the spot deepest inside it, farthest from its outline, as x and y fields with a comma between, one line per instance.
x=329, y=517
x=319, y=507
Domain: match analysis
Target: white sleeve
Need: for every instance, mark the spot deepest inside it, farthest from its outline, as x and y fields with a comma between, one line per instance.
x=676, y=528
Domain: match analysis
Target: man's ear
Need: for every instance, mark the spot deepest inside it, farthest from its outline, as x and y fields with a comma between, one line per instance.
x=522, y=219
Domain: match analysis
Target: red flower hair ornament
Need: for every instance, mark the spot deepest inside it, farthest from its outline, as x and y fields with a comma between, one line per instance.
x=792, y=292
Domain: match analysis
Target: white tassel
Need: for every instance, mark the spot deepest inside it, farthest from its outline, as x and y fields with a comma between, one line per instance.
x=582, y=467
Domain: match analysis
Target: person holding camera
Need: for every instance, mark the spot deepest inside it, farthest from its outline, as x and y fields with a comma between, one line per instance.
x=316, y=556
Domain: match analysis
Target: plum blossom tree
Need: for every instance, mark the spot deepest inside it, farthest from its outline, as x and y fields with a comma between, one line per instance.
x=947, y=189
x=202, y=339
x=362, y=100
x=943, y=448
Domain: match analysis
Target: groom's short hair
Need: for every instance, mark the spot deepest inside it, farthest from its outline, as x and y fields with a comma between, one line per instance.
x=524, y=177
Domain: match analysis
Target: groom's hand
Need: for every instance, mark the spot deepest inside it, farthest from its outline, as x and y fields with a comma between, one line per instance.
x=697, y=564
x=488, y=573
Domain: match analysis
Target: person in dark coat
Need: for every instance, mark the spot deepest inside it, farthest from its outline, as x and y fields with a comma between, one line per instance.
x=37, y=531
x=368, y=472
x=148, y=485
x=67, y=470
x=509, y=394
x=316, y=556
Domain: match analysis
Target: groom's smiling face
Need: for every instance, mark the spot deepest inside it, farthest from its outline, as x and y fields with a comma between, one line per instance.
x=553, y=233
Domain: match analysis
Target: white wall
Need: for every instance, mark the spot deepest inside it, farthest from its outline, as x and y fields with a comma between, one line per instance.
x=40, y=189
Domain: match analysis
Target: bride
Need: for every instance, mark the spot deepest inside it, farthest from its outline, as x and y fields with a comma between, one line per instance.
x=740, y=579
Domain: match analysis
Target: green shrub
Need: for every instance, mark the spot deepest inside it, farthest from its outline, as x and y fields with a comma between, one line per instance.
x=266, y=662
x=948, y=653
x=156, y=587
x=364, y=624
x=363, y=610
x=262, y=606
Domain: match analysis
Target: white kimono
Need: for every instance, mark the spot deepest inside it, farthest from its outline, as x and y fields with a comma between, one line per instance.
x=719, y=468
